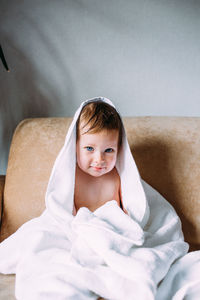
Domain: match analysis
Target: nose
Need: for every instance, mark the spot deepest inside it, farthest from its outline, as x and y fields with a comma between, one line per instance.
x=99, y=158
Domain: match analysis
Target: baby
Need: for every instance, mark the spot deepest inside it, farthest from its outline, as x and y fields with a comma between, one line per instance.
x=98, y=142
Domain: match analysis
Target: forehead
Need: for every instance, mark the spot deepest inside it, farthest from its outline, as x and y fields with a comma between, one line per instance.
x=102, y=137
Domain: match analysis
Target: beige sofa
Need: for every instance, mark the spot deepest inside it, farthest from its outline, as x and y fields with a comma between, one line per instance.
x=166, y=150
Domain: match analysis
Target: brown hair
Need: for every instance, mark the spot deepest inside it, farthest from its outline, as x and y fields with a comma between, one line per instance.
x=100, y=116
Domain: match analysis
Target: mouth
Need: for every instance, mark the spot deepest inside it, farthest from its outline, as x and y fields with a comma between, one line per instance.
x=98, y=168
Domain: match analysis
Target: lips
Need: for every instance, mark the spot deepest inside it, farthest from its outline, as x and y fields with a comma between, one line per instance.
x=98, y=168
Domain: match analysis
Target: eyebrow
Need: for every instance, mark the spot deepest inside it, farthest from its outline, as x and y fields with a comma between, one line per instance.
x=93, y=145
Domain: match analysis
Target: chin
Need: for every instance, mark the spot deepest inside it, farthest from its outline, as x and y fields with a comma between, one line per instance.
x=98, y=173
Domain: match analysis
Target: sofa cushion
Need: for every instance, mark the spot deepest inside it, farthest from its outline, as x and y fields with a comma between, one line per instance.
x=7, y=287
x=34, y=147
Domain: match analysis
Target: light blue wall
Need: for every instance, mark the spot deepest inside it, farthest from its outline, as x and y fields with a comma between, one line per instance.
x=142, y=54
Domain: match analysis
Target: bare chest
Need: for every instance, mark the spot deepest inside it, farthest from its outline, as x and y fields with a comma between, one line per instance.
x=94, y=192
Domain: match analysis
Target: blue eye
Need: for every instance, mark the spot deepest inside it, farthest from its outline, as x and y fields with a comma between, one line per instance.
x=89, y=148
x=109, y=150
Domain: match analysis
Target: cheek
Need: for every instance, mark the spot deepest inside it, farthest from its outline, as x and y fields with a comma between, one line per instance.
x=79, y=156
x=82, y=158
x=112, y=159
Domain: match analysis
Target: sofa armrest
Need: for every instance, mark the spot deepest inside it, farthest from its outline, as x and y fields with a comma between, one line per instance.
x=2, y=183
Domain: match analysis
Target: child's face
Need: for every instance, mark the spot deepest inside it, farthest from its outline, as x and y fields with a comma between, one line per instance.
x=97, y=152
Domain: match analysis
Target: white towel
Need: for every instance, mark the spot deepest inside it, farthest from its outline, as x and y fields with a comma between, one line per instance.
x=105, y=253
